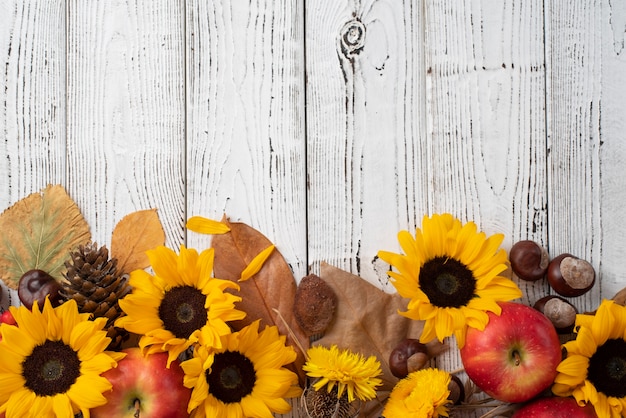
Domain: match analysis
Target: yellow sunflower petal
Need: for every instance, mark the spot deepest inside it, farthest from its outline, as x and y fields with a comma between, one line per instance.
x=206, y=226
x=255, y=265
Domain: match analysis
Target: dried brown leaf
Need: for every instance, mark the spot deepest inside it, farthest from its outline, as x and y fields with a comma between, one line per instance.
x=135, y=234
x=367, y=322
x=38, y=232
x=268, y=295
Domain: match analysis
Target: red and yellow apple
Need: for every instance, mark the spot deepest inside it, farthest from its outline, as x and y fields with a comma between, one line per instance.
x=555, y=407
x=143, y=387
x=515, y=357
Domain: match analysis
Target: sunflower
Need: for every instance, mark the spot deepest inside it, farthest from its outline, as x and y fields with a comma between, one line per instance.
x=351, y=372
x=244, y=378
x=422, y=394
x=181, y=305
x=595, y=367
x=450, y=273
x=51, y=362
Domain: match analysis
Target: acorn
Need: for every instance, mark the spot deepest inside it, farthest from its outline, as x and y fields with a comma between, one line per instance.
x=408, y=356
x=35, y=285
x=529, y=261
x=570, y=276
x=559, y=311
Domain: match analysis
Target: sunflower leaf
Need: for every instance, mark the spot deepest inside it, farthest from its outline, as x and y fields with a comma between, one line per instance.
x=367, y=322
x=269, y=294
x=38, y=232
x=135, y=234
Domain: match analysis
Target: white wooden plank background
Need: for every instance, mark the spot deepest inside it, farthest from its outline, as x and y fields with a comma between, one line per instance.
x=327, y=125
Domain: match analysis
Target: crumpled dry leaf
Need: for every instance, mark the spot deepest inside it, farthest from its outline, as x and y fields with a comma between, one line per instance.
x=270, y=291
x=38, y=232
x=367, y=322
x=133, y=235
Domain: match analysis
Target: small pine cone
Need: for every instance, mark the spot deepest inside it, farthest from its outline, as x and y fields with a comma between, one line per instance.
x=93, y=281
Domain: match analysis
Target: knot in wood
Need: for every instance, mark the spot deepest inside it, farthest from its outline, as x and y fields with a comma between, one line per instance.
x=352, y=37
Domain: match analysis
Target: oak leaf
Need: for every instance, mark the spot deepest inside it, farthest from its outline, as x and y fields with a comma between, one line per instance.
x=269, y=294
x=38, y=232
x=133, y=235
x=367, y=322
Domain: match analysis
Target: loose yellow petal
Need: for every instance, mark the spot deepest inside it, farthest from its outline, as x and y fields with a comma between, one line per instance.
x=257, y=262
x=206, y=226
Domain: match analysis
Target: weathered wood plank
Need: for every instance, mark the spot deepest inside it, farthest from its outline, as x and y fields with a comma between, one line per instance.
x=486, y=121
x=126, y=112
x=365, y=131
x=32, y=101
x=245, y=114
x=32, y=97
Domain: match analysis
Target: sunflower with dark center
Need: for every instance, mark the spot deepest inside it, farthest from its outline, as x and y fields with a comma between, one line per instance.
x=245, y=378
x=450, y=273
x=181, y=305
x=51, y=362
x=594, y=370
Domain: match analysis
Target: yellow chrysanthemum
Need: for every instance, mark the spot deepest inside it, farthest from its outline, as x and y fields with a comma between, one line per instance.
x=244, y=378
x=51, y=362
x=181, y=305
x=422, y=394
x=594, y=370
x=349, y=371
x=450, y=273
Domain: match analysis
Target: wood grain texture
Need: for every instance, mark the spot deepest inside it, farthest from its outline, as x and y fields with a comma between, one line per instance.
x=365, y=131
x=245, y=114
x=573, y=90
x=32, y=97
x=126, y=112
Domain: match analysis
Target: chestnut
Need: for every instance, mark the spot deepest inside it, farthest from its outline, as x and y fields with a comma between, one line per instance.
x=559, y=311
x=457, y=390
x=570, y=276
x=529, y=261
x=35, y=285
x=408, y=356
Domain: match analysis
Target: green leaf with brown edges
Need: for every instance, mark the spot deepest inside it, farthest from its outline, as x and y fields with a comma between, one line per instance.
x=38, y=232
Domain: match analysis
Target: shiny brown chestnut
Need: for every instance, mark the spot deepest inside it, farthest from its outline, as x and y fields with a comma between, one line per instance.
x=35, y=285
x=408, y=356
x=457, y=391
x=529, y=260
x=570, y=276
x=559, y=311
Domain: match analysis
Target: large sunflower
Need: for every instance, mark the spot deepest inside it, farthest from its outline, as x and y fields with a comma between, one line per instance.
x=422, y=394
x=181, y=305
x=244, y=378
x=595, y=367
x=450, y=273
x=51, y=362
x=349, y=372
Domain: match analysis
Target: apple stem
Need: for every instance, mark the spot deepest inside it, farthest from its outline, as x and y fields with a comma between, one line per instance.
x=137, y=408
x=517, y=358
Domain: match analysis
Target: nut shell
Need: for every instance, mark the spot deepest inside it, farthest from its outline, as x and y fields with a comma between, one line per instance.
x=559, y=311
x=314, y=305
x=35, y=285
x=570, y=276
x=529, y=261
x=409, y=348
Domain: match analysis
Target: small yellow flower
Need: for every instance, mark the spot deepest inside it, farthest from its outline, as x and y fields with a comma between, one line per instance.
x=422, y=394
x=450, y=274
x=244, y=378
x=350, y=371
x=182, y=305
x=51, y=362
x=594, y=370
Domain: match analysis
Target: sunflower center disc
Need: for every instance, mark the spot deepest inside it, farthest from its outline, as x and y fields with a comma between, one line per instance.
x=447, y=282
x=51, y=368
x=607, y=368
x=231, y=377
x=182, y=311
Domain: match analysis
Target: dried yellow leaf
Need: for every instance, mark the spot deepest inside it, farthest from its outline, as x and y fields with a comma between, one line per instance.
x=135, y=234
x=38, y=232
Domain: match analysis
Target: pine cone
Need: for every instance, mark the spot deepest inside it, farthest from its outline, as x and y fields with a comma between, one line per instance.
x=95, y=284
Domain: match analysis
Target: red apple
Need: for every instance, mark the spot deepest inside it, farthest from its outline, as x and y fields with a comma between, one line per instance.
x=555, y=407
x=147, y=385
x=515, y=357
